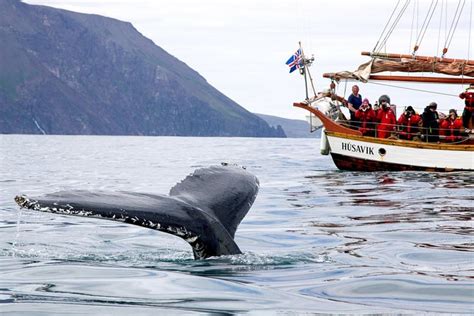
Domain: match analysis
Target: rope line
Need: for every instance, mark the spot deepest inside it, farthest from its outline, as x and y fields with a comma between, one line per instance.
x=412, y=23
x=385, y=27
x=394, y=24
x=455, y=24
x=469, y=38
x=440, y=23
x=413, y=89
x=425, y=24
x=450, y=33
x=398, y=129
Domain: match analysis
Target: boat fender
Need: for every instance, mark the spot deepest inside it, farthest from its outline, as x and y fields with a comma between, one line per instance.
x=324, y=143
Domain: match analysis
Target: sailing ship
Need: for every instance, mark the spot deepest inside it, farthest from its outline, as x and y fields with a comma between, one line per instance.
x=350, y=149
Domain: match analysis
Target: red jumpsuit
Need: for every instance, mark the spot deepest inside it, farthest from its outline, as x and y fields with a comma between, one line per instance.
x=468, y=113
x=451, y=129
x=387, y=122
x=366, y=119
x=409, y=125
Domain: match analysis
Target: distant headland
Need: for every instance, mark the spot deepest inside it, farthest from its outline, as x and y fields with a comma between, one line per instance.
x=63, y=72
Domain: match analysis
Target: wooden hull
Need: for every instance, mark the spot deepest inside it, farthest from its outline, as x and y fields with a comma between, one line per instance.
x=352, y=151
x=358, y=164
x=365, y=154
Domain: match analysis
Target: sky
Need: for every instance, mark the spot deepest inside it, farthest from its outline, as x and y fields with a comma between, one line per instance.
x=241, y=46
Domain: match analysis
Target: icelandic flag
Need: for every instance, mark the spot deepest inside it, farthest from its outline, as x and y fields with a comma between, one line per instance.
x=295, y=61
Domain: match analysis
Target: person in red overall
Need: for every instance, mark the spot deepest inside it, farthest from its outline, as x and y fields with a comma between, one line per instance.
x=468, y=113
x=387, y=121
x=408, y=124
x=451, y=127
x=366, y=117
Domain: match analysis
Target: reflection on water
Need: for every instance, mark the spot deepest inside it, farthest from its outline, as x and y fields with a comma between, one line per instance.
x=398, y=224
x=316, y=240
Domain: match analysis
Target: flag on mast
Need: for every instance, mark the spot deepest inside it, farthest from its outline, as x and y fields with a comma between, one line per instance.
x=295, y=61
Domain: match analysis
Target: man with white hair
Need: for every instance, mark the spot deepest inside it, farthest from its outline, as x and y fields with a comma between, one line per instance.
x=353, y=103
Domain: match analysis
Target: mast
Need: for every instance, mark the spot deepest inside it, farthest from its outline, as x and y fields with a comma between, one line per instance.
x=304, y=72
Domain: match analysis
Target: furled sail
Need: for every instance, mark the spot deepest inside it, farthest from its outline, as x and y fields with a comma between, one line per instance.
x=406, y=63
x=362, y=73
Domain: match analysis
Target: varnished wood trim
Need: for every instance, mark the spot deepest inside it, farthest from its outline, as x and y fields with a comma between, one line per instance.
x=463, y=80
x=329, y=124
x=433, y=59
x=337, y=130
x=402, y=143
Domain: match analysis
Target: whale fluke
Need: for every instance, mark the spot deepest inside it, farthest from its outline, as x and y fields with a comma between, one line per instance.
x=204, y=209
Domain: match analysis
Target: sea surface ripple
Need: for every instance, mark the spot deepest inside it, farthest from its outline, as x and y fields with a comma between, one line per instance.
x=316, y=240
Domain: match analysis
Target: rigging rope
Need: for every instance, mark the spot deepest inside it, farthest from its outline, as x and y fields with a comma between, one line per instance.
x=386, y=24
x=440, y=23
x=399, y=16
x=425, y=25
x=454, y=25
x=417, y=17
x=413, y=89
x=412, y=22
x=392, y=27
x=446, y=21
x=469, y=38
x=345, y=88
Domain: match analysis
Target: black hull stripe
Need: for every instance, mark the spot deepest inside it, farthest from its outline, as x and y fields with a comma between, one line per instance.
x=358, y=164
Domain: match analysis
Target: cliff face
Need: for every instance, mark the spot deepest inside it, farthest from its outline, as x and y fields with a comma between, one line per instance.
x=292, y=128
x=63, y=72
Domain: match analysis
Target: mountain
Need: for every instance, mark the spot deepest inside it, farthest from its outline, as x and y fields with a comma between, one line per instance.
x=292, y=128
x=63, y=72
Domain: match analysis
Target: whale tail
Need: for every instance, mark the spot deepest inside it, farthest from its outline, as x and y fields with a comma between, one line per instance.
x=224, y=192
x=204, y=209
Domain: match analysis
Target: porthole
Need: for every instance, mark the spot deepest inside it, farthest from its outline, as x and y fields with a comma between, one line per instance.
x=382, y=152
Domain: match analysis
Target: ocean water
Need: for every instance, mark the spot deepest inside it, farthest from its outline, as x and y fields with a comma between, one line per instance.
x=317, y=240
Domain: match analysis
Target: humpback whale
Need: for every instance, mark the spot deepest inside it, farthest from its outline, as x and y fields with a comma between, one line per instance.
x=204, y=209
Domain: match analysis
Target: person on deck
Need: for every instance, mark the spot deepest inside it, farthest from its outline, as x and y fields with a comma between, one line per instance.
x=408, y=124
x=451, y=127
x=353, y=103
x=376, y=108
x=385, y=98
x=468, y=113
x=430, y=120
x=366, y=117
x=386, y=119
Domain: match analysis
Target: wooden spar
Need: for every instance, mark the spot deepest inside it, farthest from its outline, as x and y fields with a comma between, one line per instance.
x=444, y=80
x=423, y=79
x=424, y=58
x=329, y=75
x=329, y=124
